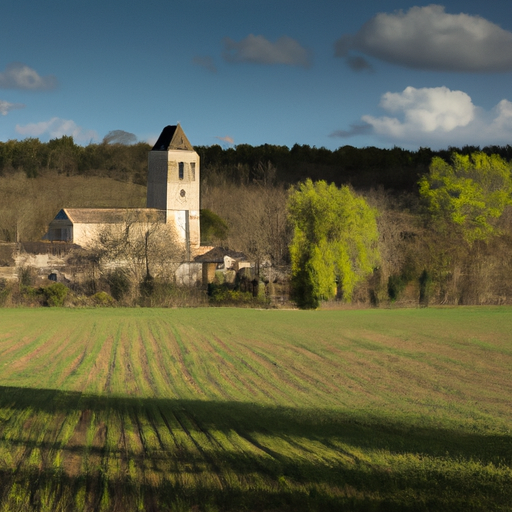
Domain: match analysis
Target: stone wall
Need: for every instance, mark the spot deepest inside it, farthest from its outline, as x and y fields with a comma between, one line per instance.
x=43, y=257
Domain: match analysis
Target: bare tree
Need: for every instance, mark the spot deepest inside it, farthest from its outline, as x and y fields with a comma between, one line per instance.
x=142, y=245
x=256, y=217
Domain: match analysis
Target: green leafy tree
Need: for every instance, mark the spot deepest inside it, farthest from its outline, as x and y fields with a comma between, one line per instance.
x=28, y=156
x=469, y=195
x=334, y=244
x=63, y=155
x=213, y=227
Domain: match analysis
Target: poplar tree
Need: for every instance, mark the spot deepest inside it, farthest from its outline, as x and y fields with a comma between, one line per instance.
x=334, y=244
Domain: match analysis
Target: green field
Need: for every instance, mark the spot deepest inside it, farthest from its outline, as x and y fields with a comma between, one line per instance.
x=248, y=410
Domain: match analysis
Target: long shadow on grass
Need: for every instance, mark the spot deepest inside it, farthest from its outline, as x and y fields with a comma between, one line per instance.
x=269, y=439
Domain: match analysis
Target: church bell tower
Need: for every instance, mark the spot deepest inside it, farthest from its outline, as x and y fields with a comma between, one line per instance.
x=173, y=183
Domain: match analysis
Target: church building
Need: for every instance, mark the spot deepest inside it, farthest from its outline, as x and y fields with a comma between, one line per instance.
x=173, y=198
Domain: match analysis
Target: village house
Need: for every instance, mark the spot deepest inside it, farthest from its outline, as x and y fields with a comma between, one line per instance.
x=220, y=259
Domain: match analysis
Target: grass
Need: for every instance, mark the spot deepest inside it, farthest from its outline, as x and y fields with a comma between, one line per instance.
x=229, y=409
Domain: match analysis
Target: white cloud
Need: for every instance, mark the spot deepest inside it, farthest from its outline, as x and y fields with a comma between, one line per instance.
x=20, y=76
x=436, y=117
x=56, y=128
x=429, y=38
x=6, y=107
x=424, y=110
x=257, y=49
x=503, y=119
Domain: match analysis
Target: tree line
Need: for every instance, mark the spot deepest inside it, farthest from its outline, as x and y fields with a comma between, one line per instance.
x=394, y=169
x=440, y=230
x=62, y=156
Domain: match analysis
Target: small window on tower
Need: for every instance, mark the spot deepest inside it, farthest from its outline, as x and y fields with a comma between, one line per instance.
x=181, y=172
x=193, y=171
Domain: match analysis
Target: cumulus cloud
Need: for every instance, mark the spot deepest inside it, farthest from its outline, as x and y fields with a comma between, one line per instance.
x=6, y=107
x=436, y=117
x=257, y=49
x=424, y=110
x=20, y=76
x=429, y=38
x=206, y=62
x=503, y=117
x=56, y=128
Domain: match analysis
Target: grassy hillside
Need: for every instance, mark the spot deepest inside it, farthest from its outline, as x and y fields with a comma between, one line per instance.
x=27, y=205
x=227, y=409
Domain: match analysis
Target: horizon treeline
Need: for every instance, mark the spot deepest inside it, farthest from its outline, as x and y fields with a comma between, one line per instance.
x=363, y=168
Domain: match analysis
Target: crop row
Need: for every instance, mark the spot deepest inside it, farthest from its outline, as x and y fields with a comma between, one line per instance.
x=224, y=410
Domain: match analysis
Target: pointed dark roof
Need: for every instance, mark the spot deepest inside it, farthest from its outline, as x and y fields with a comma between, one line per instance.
x=172, y=137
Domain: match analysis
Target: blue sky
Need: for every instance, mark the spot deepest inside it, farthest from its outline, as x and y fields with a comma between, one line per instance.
x=324, y=73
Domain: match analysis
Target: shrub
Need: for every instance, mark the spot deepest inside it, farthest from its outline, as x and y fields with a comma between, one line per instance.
x=55, y=294
x=30, y=296
x=147, y=286
x=222, y=295
x=119, y=283
x=103, y=299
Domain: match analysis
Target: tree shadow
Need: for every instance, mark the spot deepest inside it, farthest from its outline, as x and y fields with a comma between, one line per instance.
x=294, y=475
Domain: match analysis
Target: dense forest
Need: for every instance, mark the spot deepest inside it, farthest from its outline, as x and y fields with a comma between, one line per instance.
x=364, y=168
x=454, y=248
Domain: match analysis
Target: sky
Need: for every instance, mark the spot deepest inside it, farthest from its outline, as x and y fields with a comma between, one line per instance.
x=378, y=73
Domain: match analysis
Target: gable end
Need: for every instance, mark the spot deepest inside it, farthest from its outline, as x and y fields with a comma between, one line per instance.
x=61, y=215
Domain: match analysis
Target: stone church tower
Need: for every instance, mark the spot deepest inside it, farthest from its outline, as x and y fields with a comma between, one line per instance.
x=173, y=183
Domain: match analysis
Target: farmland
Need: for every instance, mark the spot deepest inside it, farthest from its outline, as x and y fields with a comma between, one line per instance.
x=230, y=409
